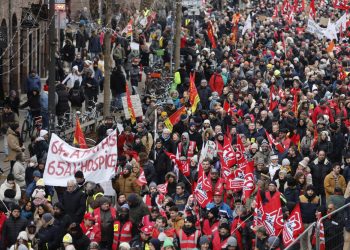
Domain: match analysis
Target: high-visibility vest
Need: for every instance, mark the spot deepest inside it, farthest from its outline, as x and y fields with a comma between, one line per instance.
x=121, y=233
x=94, y=197
x=188, y=242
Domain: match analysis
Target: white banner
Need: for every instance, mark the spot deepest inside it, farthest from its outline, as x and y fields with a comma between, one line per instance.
x=314, y=28
x=97, y=163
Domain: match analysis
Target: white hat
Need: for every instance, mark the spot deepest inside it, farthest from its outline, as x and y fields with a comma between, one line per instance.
x=75, y=67
x=124, y=245
x=22, y=235
x=206, y=121
x=43, y=132
x=274, y=157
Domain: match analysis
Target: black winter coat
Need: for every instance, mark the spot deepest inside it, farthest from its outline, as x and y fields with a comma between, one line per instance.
x=204, y=94
x=74, y=205
x=63, y=100
x=40, y=149
x=11, y=229
x=319, y=172
x=49, y=237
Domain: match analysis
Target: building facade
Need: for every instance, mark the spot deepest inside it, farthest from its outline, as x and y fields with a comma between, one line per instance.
x=23, y=43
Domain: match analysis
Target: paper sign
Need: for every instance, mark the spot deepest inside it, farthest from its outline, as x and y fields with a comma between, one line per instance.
x=136, y=103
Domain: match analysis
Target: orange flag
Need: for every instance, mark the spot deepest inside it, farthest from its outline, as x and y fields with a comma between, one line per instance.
x=194, y=97
x=330, y=46
x=130, y=107
x=79, y=138
x=174, y=118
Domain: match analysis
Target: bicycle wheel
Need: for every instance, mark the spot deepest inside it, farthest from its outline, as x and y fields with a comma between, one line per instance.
x=25, y=130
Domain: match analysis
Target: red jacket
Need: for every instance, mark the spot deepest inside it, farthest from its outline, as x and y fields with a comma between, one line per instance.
x=322, y=111
x=208, y=229
x=217, y=243
x=216, y=83
x=2, y=221
x=97, y=215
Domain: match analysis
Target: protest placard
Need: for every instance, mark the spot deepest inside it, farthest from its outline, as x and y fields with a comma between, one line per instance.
x=136, y=104
x=97, y=163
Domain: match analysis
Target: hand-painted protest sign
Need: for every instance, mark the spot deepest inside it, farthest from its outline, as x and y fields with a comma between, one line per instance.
x=97, y=163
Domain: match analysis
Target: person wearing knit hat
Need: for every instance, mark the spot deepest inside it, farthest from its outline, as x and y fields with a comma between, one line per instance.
x=155, y=244
x=67, y=240
x=168, y=244
x=204, y=242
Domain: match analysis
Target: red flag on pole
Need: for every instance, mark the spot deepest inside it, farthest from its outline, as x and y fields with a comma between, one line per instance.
x=129, y=103
x=202, y=178
x=273, y=101
x=228, y=157
x=163, y=188
x=203, y=197
x=141, y=180
x=211, y=36
x=295, y=103
x=293, y=227
x=272, y=141
x=249, y=184
x=275, y=12
x=312, y=12
x=258, y=210
x=273, y=217
x=183, y=166
x=79, y=138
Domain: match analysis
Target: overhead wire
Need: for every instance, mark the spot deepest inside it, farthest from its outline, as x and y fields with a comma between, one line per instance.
x=34, y=50
x=13, y=37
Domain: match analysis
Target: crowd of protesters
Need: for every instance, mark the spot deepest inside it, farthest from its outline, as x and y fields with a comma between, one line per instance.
x=274, y=80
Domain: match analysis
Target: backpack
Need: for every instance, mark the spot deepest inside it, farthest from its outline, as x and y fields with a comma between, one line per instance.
x=76, y=97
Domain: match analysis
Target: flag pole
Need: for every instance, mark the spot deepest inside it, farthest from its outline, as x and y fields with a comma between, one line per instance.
x=155, y=130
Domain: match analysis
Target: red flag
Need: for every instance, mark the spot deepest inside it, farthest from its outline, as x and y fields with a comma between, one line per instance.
x=285, y=7
x=275, y=12
x=240, y=149
x=228, y=157
x=272, y=141
x=203, y=197
x=163, y=188
x=290, y=17
x=79, y=138
x=273, y=101
x=273, y=217
x=248, y=185
x=315, y=138
x=258, y=211
x=295, y=103
x=174, y=118
x=182, y=165
x=302, y=5
x=211, y=36
x=130, y=107
x=235, y=180
x=206, y=184
x=227, y=108
x=342, y=74
x=312, y=12
x=293, y=226
x=141, y=181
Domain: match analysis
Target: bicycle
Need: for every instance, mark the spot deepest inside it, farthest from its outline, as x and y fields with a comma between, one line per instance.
x=30, y=124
